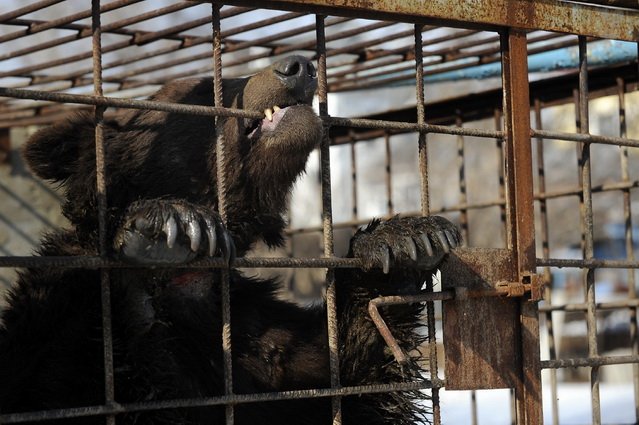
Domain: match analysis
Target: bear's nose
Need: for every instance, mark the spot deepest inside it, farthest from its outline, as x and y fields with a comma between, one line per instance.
x=298, y=75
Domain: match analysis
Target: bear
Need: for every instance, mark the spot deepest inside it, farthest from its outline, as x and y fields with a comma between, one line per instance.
x=162, y=209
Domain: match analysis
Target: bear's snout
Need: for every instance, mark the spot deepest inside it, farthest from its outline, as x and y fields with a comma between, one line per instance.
x=298, y=75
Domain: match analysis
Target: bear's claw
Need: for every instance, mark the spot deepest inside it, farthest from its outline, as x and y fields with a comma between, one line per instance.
x=408, y=241
x=171, y=232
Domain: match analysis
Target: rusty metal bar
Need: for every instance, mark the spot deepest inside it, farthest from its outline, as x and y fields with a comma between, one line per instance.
x=389, y=174
x=27, y=9
x=629, y=245
x=92, y=262
x=520, y=215
x=354, y=212
x=587, y=226
x=588, y=264
x=425, y=209
x=210, y=401
x=221, y=173
x=463, y=195
x=543, y=212
x=612, y=305
x=100, y=166
x=593, y=362
x=327, y=218
x=557, y=16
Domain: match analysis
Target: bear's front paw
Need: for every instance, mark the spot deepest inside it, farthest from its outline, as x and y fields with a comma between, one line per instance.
x=171, y=232
x=406, y=241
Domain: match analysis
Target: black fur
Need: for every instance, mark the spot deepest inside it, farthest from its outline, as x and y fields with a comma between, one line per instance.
x=167, y=322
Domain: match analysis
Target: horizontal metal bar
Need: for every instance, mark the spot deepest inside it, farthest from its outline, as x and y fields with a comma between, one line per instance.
x=212, y=401
x=589, y=362
x=127, y=103
x=612, y=305
x=404, y=126
x=546, y=15
x=93, y=262
x=585, y=138
x=587, y=264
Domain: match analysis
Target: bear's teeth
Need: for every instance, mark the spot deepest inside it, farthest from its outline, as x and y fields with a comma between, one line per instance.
x=269, y=114
x=276, y=108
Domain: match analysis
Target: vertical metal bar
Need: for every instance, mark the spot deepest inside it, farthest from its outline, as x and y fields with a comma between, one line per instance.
x=354, y=214
x=425, y=206
x=389, y=173
x=473, y=407
x=221, y=164
x=327, y=217
x=520, y=214
x=630, y=255
x=543, y=212
x=499, y=144
x=463, y=200
x=421, y=119
x=100, y=166
x=587, y=223
x=463, y=195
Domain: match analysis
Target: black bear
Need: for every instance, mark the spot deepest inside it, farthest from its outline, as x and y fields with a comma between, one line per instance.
x=162, y=208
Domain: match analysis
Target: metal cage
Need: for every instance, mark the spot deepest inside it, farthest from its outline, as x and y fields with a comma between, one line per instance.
x=501, y=281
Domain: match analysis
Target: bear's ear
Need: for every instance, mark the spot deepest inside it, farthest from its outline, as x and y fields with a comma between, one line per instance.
x=53, y=152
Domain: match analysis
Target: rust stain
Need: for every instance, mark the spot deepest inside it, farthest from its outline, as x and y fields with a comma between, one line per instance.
x=548, y=15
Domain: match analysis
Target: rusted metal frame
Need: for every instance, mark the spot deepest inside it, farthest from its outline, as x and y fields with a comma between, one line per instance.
x=589, y=362
x=27, y=70
x=327, y=219
x=629, y=245
x=27, y=9
x=210, y=401
x=545, y=248
x=33, y=29
x=425, y=209
x=222, y=187
x=612, y=305
x=583, y=154
x=520, y=216
x=100, y=169
x=85, y=30
x=573, y=18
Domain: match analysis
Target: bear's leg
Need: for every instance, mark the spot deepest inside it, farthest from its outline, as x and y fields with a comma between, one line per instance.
x=407, y=249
